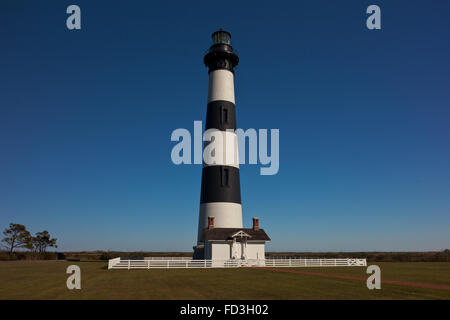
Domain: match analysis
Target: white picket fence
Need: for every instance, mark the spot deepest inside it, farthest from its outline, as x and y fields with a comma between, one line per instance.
x=168, y=258
x=179, y=263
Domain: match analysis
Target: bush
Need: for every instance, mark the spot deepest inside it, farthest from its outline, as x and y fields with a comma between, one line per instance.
x=106, y=256
x=60, y=256
x=6, y=256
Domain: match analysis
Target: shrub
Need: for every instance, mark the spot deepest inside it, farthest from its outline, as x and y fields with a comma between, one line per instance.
x=106, y=256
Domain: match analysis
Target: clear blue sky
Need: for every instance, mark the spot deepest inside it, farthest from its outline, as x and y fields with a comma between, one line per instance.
x=86, y=118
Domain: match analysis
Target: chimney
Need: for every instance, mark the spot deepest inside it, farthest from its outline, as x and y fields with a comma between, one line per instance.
x=210, y=223
x=255, y=223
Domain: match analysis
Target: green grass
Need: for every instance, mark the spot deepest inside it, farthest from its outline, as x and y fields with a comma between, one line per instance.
x=47, y=280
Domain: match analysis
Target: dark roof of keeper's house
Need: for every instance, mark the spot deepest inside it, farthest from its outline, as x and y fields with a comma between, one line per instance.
x=227, y=233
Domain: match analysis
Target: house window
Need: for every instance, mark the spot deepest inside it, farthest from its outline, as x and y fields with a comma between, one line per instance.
x=225, y=177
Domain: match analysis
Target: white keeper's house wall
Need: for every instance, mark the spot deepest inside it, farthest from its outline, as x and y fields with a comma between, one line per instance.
x=219, y=251
x=222, y=250
x=256, y=250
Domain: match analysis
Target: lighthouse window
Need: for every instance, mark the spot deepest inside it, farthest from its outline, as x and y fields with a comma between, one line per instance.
x=221, y=37
x=225, y=177
x=224, y=115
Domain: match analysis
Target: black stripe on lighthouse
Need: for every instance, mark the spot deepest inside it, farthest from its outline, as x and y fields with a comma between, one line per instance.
x=220, y=184
x=221, y=115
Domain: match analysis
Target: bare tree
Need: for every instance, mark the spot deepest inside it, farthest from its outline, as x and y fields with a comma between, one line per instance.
x=17, y=236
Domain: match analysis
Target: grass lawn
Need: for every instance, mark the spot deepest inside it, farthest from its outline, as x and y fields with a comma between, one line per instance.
x=47, y=280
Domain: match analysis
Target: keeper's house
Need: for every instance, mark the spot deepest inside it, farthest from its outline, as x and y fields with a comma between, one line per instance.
x=234, y=243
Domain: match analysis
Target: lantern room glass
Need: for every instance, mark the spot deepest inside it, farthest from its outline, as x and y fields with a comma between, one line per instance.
x=221, y=37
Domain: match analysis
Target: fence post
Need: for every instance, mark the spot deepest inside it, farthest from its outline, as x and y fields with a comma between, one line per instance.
x=167, y=266
x=148, y=264
x=186, y=264
x=204, y=263
x=129, y=262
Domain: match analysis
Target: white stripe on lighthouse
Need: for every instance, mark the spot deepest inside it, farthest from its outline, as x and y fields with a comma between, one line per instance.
x=223, y=151
x=221, y=85
x=226, y=215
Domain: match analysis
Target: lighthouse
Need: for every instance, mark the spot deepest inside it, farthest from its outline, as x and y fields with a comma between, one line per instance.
x=220, y=214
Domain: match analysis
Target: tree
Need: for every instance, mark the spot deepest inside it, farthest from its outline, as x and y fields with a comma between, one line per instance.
x=17, y=236
x=42, y=240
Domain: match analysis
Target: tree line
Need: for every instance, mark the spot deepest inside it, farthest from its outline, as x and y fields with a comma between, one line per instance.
x=17, y=236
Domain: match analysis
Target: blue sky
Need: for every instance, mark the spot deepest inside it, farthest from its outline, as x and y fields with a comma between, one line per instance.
x=86, y=118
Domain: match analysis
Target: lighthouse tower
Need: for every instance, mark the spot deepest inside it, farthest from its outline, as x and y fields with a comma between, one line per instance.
x=220, y=192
